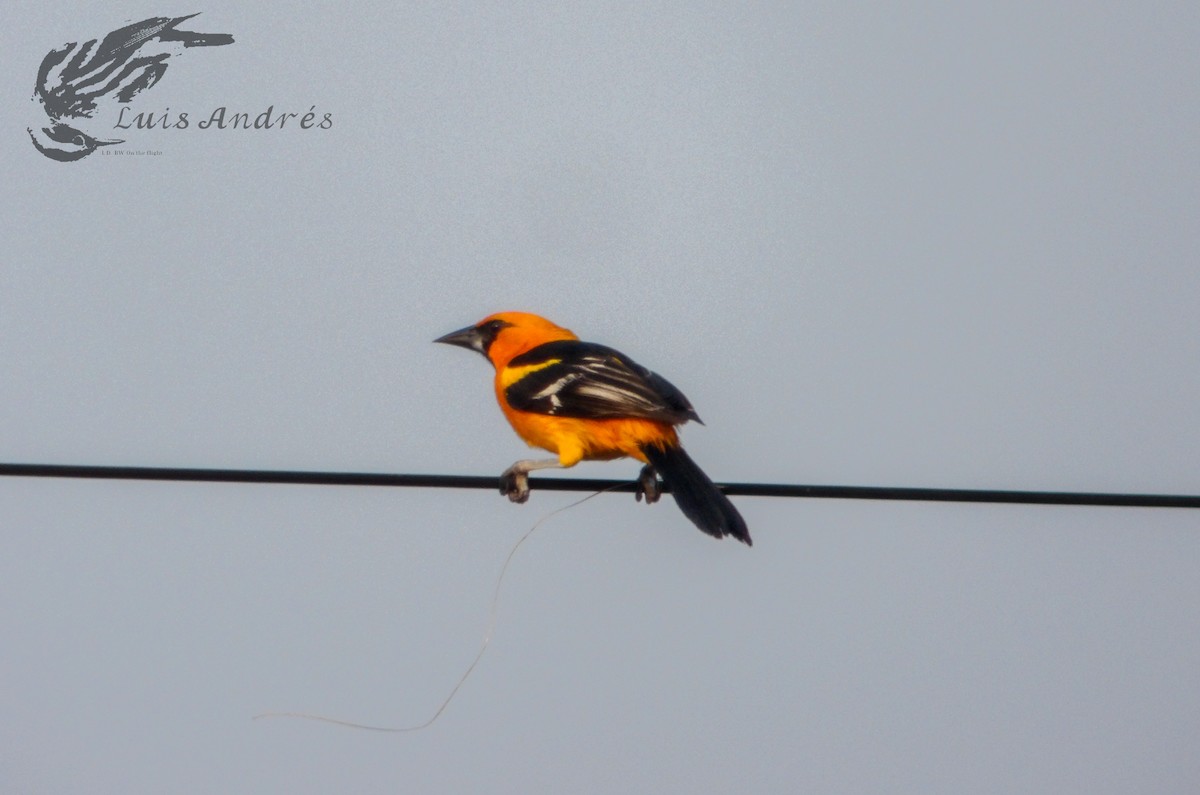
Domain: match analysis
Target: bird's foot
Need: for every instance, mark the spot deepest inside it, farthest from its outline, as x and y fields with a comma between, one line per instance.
x=514, y=484
x=648, y=485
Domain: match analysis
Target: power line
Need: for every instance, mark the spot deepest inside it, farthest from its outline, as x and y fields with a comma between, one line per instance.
x=304, y=478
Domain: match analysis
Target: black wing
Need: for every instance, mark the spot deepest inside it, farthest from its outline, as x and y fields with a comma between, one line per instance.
x=585, y=380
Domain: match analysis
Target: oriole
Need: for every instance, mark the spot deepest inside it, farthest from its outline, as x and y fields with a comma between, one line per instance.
x=584, y=401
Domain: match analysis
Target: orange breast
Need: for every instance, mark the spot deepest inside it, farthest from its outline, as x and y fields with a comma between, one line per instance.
x=575, y=440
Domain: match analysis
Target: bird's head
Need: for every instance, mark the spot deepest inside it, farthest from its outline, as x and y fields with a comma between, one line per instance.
x=65, y=143
x=502, y=336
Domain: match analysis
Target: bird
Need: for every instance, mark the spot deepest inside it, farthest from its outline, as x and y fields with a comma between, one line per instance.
x=584, y=401
x=118, y=68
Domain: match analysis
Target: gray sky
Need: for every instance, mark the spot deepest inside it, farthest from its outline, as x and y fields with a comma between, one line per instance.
x=934, y=246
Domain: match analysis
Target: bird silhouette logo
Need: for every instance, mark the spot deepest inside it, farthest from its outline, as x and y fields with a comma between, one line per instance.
x=74, y=81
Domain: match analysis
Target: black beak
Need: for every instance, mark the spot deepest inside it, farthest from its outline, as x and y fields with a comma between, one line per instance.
x=469, y=337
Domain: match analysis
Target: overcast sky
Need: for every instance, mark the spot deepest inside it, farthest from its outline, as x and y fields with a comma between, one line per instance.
x=940, y=246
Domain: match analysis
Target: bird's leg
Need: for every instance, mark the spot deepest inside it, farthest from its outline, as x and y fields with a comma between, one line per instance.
x=514, y=481
x=648, y=485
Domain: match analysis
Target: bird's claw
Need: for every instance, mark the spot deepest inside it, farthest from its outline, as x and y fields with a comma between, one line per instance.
x=648, y=486
x=514, y=484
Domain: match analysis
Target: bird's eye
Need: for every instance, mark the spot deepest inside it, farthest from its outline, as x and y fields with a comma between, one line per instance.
x=77, y=140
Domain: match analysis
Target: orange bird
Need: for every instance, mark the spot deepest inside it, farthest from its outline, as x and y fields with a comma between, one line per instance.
x=583, y=401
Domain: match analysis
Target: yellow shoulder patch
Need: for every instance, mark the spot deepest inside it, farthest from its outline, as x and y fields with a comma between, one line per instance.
x=511, y=375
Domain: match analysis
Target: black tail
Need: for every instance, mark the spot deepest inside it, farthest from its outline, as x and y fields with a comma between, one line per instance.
x=698, y=498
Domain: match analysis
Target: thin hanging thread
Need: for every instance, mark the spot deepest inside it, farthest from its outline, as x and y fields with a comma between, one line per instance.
x=487, y=639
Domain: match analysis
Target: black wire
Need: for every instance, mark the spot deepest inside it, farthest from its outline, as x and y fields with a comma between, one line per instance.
x=595, y=484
